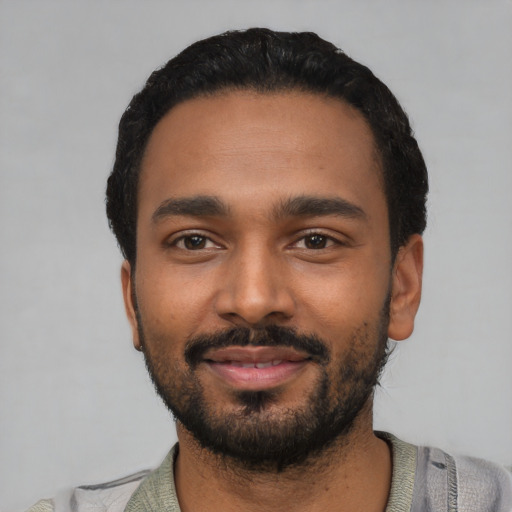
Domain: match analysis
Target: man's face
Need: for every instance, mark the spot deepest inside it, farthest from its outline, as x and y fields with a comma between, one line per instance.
x=264, y=217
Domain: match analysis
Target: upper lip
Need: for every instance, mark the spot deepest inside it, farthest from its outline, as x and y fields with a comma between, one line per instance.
x=256, y=354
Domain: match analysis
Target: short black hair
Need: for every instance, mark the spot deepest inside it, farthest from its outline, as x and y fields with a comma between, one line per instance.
x=265, y=61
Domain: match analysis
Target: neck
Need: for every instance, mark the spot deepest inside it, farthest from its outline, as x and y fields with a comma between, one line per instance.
x=352, y=474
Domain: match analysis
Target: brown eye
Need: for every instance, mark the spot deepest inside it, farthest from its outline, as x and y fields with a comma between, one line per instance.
x=194, y=242
x=315, y=241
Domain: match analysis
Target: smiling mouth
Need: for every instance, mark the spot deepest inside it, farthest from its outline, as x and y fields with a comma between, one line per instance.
x=255, y=368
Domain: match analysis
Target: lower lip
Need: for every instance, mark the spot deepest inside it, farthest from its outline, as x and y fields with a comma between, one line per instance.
x=257, y=379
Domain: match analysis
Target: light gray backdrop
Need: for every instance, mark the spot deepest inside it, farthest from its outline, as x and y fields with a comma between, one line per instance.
x=76, y=405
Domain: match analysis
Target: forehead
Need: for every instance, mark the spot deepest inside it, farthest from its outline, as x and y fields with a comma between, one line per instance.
x=251, y=146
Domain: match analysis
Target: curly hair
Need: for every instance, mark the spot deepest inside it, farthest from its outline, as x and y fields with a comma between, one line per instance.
x=266, y=61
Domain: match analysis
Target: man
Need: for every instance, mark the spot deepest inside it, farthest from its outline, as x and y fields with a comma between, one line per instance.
x=269, y=199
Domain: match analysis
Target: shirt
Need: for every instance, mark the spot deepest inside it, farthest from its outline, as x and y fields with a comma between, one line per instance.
x=424, y=479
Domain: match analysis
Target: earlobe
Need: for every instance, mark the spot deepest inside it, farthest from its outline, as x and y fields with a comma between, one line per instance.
x=406, y=288
x=129, y=304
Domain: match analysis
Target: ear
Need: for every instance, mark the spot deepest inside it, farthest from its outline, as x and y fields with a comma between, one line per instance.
x=406, y=288
x=129, y=304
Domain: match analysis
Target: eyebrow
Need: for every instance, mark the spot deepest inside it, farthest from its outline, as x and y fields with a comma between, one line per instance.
x=311, y=206
x=196, y=206
x=301, y=206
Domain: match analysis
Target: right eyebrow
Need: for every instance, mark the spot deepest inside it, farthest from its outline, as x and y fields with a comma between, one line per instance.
x=195, y=206
x=313, y=206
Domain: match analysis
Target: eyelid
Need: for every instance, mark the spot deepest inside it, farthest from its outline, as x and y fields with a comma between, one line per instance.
x=335, y=239
x=175, y=238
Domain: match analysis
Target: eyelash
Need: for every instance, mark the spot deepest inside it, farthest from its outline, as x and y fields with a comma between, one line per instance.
x=328, y=240
x=181, y=241
x=189, y=236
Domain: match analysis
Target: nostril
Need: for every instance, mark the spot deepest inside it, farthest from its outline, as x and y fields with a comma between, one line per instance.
x=275, y=317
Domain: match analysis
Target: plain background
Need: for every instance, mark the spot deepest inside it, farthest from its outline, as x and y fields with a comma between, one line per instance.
x=76, y=404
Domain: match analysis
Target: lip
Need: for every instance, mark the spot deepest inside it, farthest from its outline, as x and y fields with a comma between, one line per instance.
x=256, y=368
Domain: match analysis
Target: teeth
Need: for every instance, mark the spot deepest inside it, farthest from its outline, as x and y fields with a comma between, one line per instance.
x=267, y=364
x=264, y=365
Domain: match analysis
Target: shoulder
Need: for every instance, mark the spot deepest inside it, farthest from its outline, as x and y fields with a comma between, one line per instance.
x=483, y=483
x=465, y=483
x=109, y=496
x=116, y=496
x=428, y=479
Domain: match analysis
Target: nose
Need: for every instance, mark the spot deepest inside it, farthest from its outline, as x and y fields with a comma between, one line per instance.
x=255, y=290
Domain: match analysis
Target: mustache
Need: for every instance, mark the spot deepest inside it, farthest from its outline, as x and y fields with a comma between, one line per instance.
x=268, y=336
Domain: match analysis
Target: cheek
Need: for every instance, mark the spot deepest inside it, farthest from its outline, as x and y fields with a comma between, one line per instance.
x=343, y=298
x=170, y=304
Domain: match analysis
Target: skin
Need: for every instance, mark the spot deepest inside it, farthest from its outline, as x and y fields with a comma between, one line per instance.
x=253, y=153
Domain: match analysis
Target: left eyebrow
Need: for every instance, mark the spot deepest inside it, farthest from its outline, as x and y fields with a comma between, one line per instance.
x=195, y=206
x=311, y=206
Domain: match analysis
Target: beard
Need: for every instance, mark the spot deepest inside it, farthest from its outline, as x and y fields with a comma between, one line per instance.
x=260, y=435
